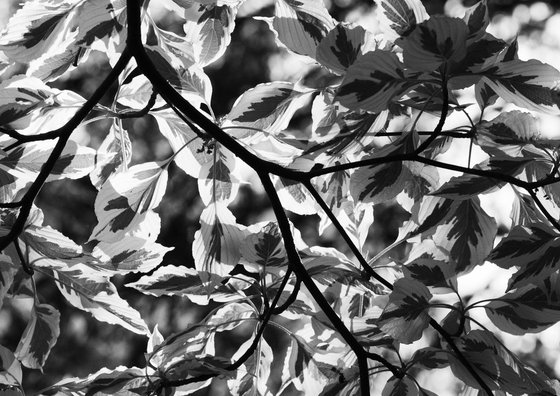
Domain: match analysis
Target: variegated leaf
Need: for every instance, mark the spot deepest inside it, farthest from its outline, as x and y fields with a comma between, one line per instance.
x=268, y=107
x=530, y=84
x=374, y=81
x=251, y=380
x=435, y=42
x=406, y=315
x=208, y=27
x=529, y=309
x=126, y=196
x=118, y=381
x=513, y=133
x=430, y=358
x=467, y=232
x=117, y=153
x=7, y=273
x=10, y=369
x=477, y=19
x=184, y=282
x=216, y=245
x=400, y=387
x=129, y=254
x=534, y=249
x=342, y=46
x=467, y=186
x=89, y=290
x=35, y=28
x=190, y=153
x=264, y=251
x=300, y=25
x=399, y=17
x=498, y=367
x=216, y=181
x=39, y=336
x=50, y=34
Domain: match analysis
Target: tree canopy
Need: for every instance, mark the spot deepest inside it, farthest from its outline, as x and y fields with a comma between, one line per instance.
x=285, y=315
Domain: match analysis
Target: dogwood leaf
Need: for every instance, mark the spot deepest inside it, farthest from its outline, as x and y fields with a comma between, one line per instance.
x=406, y=315
x=39, y=336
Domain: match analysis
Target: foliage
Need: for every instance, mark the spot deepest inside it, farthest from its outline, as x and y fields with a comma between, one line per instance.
x=345, y=318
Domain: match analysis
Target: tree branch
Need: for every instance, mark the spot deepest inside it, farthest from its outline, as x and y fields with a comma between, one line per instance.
x=63, y=135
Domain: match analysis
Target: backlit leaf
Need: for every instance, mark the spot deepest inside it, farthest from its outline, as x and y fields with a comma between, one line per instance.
x=342, y=46
x=268, y=107
x=208, y=27
x=406, y=315
x=534, y=249
x=529, y=309
x=126, y=195
x=399, y=17
x=39, y=336
x=499, y=368
x=530, y=84
x=300, y=25
x=252, y=379
x=467, y=233
x=182, y=281
x=400, y=387
x=374, y=81
x=216, y=245
x=434, y=42
x=119, y=381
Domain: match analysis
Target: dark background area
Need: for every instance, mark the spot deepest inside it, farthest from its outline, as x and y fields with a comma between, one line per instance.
x=86, y=345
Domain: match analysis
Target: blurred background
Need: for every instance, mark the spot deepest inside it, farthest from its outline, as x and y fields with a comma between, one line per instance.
x=86, y=345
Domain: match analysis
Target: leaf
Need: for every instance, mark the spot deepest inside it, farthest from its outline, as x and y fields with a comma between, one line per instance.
x=431, y=272
x=268, y=107
x=469, y=185
x=34, y=29
x=295, y=197
x=216, y=182
x=529, y=309
x=125, y=196
x=530, y=84
x=39, y=336
x=25, y=162
x=467, y=232
x=513, y=133
x=118, y=381
x=216, y=244
x=342, y=46
x=190, y=154
x=88, y=290
x=50, y=34
x=7, y=274
x=400, y=387
x=300, y=25
x=264, y=251
x=117, y=153
x=375, y=80
x=49, y=242
x=435, y=42
x=534, y=249
x=430, y=358
x=10, y=368
x=252, y=379
x=499, y=368
x=208, y=27
x=477, y=19
x=406, y=315
x=340, y=133
x=129, y=254
x=189, y=353
x=399, y=17
x=184, y=282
